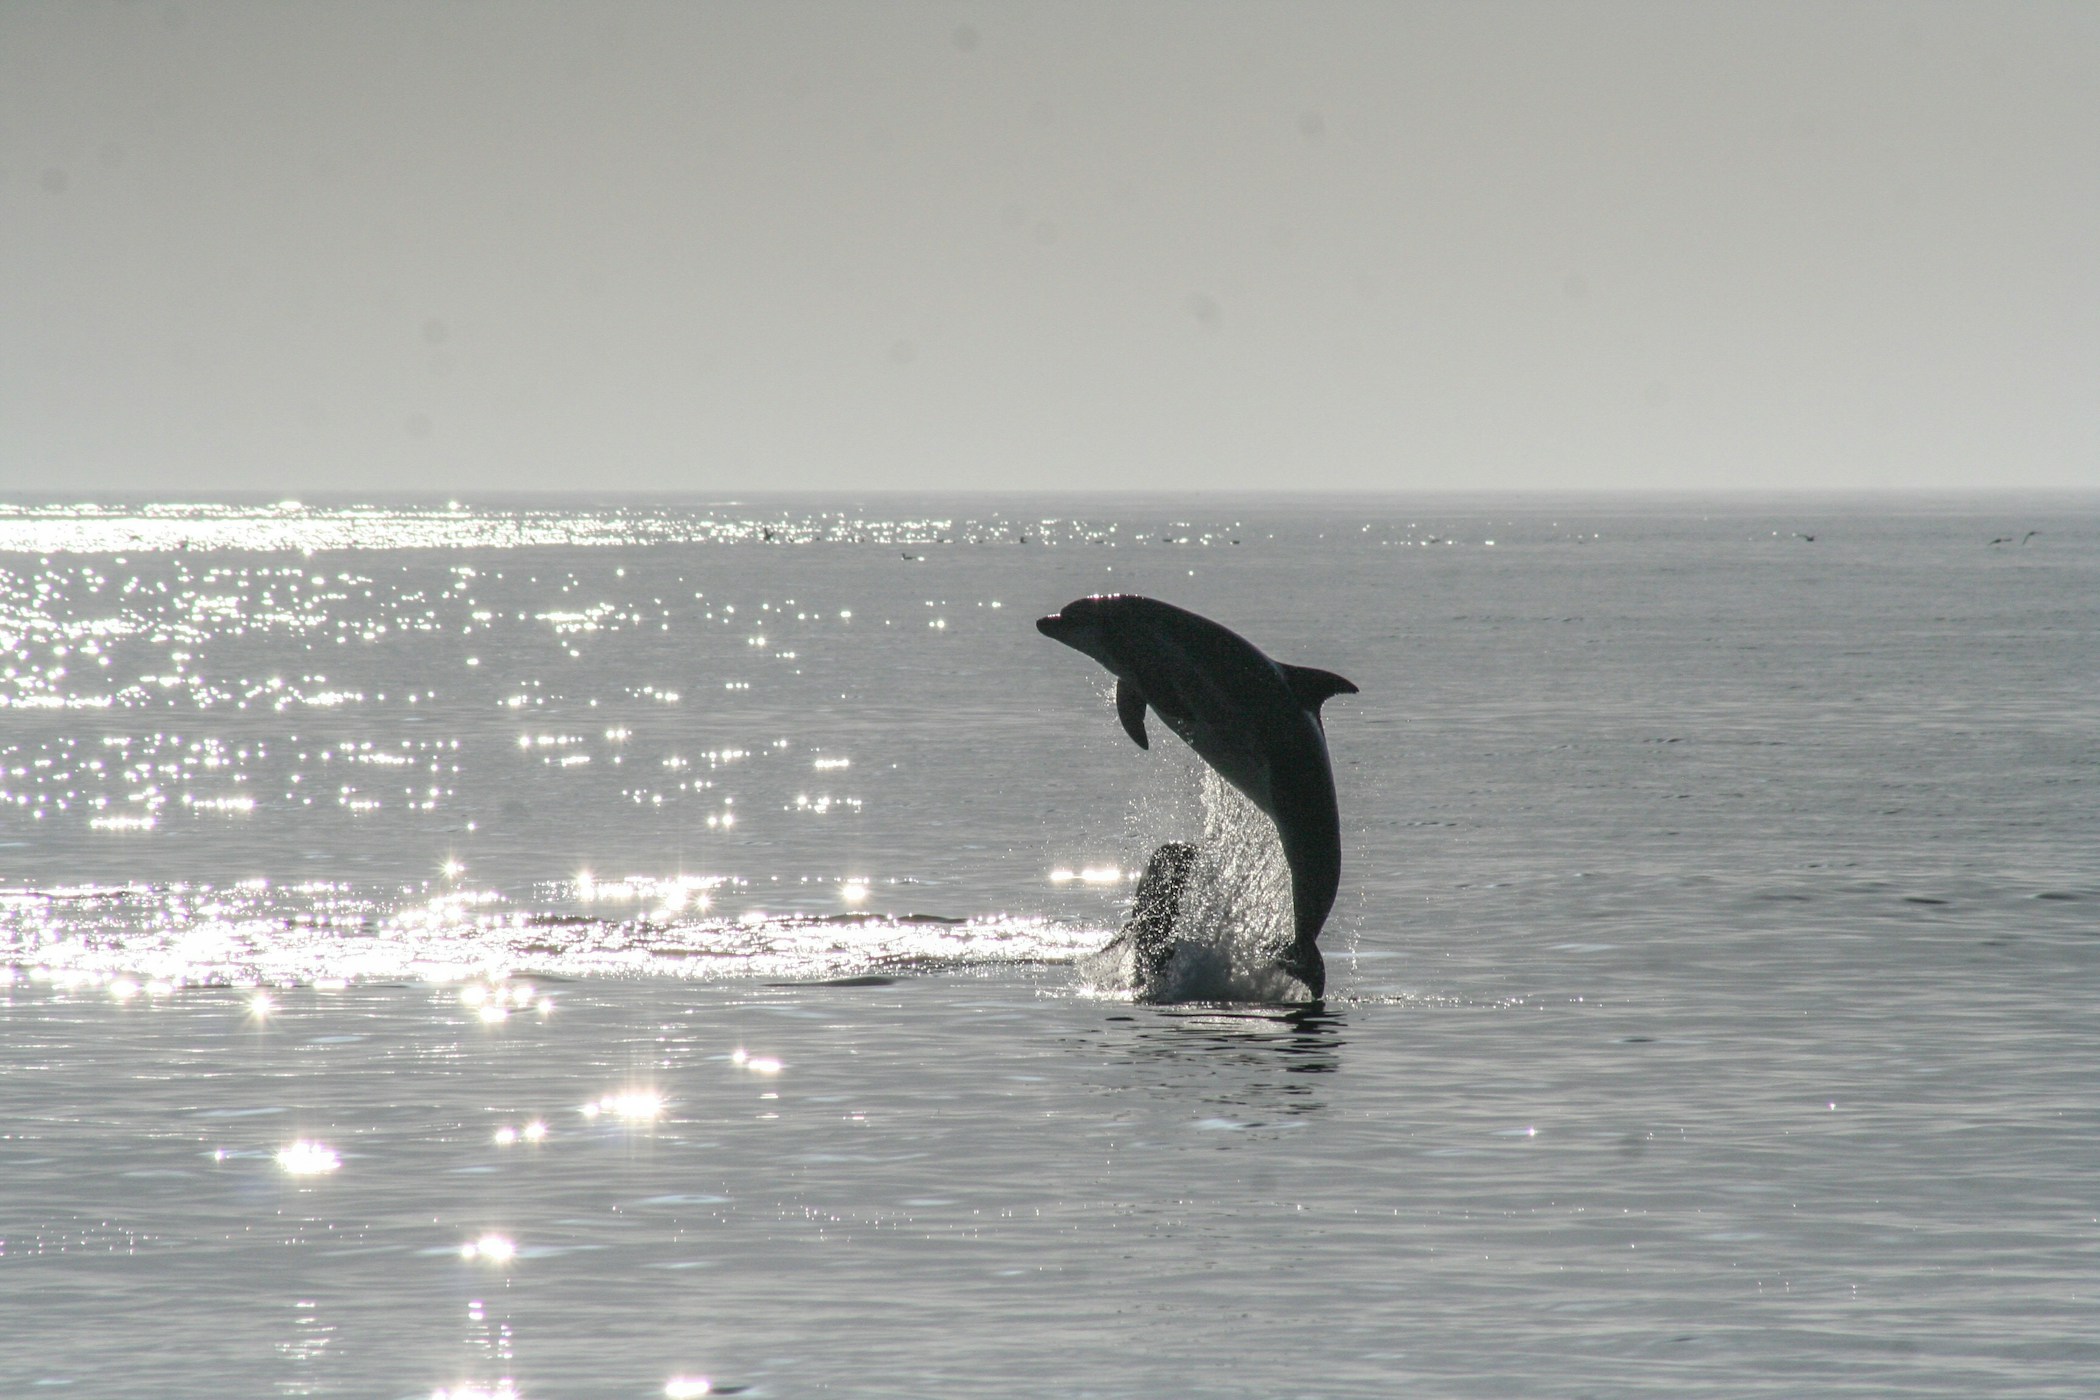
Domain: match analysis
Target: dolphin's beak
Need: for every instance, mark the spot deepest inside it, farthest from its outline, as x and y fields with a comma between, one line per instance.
x=1054, y=626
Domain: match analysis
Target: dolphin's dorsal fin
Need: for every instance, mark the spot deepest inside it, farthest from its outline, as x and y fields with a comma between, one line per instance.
x=1313, y=686
x=1130, y=708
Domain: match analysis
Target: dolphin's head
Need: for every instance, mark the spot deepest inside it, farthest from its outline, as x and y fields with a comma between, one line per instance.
x=1084, y=625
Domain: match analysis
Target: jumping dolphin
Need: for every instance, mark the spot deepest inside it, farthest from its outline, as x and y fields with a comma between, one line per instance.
x=1256, y=721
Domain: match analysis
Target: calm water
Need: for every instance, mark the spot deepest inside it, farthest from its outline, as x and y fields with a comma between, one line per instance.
x=545, y=950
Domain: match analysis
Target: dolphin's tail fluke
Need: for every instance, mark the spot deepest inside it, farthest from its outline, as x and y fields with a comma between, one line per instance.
x=1303, y=961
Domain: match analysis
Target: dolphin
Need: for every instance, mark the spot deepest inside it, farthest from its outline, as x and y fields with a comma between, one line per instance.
x=1254, y=720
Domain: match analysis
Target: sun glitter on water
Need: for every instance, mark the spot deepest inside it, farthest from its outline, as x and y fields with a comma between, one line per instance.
x=490, y=1248
x=308, y=1158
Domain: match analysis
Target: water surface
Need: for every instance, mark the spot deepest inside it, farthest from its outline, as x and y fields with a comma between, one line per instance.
x=576, y=951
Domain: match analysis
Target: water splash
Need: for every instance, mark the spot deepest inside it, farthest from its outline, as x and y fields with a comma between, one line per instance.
x=1235, y=910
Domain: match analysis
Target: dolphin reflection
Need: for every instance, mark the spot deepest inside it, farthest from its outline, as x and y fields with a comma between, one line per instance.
x=1259, y=1068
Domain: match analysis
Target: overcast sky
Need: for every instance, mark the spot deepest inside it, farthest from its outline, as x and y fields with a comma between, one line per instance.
x=361, y=246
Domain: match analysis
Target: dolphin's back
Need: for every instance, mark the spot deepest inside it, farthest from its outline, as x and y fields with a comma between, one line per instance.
x=1195, y=665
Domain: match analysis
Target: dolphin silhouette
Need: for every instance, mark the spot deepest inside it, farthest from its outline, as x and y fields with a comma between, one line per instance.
x=1254, y=720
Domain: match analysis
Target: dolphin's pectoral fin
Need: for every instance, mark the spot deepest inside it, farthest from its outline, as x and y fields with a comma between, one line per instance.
x=1313, y=686
x=1130, y=708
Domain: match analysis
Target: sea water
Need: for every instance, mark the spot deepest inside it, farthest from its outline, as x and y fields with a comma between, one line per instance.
x=547, y=949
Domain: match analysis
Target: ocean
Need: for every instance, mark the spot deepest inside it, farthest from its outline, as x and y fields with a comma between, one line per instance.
x=541, y=948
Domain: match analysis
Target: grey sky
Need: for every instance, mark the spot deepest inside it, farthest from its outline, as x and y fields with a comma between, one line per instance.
x=370, y=247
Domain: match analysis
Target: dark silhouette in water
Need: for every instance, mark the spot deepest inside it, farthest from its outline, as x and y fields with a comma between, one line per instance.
x=1154, y=912
x=1254, y=720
